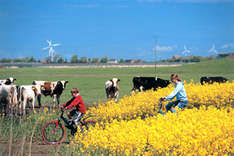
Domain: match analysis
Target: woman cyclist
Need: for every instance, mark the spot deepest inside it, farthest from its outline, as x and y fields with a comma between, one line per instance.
x=180, y=94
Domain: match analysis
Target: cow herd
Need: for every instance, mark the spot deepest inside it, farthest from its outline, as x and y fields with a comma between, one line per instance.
x=147, y=83
x=16, y=98
x=13, y=97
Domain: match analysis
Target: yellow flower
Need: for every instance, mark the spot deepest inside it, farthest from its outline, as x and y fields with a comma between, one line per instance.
x=128, y=127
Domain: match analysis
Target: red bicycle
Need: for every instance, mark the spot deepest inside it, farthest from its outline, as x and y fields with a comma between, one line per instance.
x=53, y=132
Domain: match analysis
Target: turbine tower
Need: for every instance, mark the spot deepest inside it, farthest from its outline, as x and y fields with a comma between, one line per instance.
x=186, y=51
x=51, y=49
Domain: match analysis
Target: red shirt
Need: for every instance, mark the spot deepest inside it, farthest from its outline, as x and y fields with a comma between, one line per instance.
x=76, y=102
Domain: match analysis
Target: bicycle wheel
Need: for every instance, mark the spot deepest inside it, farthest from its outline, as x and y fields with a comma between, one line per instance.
x=87, y=124
x=53, y=133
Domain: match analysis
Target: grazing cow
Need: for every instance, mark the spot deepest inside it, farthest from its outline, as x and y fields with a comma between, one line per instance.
x=8, y=81
x=112, y=89
x=146, y=83
x=211, y=80
x=8, y=97
x=53, y=89
x=27, y=93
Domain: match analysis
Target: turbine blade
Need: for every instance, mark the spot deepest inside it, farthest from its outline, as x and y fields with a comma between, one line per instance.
x=45, y=48
x=49, y=42
x=56, y=44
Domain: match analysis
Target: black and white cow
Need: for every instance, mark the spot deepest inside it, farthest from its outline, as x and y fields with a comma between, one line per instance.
x=211, y=80
x=8, y=81
x=112, y=89
x=147, y=83
x=53, y=89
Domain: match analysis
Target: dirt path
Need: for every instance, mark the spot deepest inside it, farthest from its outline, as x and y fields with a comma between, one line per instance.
x=37, y=149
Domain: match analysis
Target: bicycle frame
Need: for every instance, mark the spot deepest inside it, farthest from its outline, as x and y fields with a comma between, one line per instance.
x=160, y=105
x=57, y=126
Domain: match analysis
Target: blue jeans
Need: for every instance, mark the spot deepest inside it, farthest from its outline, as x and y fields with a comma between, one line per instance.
x=179, y=104
x=76, y=116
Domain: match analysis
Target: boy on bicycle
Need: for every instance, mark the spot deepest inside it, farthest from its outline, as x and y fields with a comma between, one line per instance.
x=180, y=94
x=78, y=105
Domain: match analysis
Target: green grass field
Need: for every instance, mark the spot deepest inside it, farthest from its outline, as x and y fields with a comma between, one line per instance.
x=90, y=81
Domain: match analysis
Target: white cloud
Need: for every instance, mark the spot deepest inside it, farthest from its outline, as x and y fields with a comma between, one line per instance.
x=164, y=48
x=228, y=46
x=187, y=1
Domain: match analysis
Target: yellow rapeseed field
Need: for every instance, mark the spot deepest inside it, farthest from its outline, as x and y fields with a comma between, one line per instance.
x=189, y=132
x=204, y=131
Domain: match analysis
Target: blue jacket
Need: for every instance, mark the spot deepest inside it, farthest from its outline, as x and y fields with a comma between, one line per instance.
x=179, y=93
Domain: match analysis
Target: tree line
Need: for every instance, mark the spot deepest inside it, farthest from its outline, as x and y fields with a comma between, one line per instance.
x=59, y=59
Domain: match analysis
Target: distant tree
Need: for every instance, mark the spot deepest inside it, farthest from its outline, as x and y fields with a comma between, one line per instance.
x=60, y=60
x=121, y=60
x=195, y=59
x=104, y=59
x=56, y=57
x=5, y=60
x=74, y=59
x=18, y=60
x=224, y=55
x=83, y=59
x=65, y=60
x=48, y=59
x=31, y=59
x=95, y=60
x=26, y=59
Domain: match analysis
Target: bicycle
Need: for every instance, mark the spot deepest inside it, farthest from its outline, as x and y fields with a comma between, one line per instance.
x=53, y=132
x=159, y=108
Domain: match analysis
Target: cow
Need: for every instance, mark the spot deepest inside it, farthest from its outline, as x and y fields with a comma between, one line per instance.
x=26, y=94
x=51, y=88
x=8, y=97
x=211, y=80
x=8, y=81
x=147, y=83
x=112, y=89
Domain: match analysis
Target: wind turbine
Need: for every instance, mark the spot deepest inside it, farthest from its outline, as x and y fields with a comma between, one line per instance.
x=186, y=51
x=213, y=50
x=51, y=49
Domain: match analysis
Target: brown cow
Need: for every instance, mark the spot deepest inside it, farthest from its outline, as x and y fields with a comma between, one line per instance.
x=53, y=89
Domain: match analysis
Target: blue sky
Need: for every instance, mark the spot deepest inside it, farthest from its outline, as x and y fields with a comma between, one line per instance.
x=116, y=28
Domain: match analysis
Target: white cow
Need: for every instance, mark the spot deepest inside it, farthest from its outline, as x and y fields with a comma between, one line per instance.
x=28, y=94
x=8, y=81
x=8, y=97
x=112, y=89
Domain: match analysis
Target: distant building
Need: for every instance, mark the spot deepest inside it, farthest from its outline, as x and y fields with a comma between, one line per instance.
x=139, y=61
x=131, y=61
x=112, y=61
x=175, y=57
x=43, y=61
